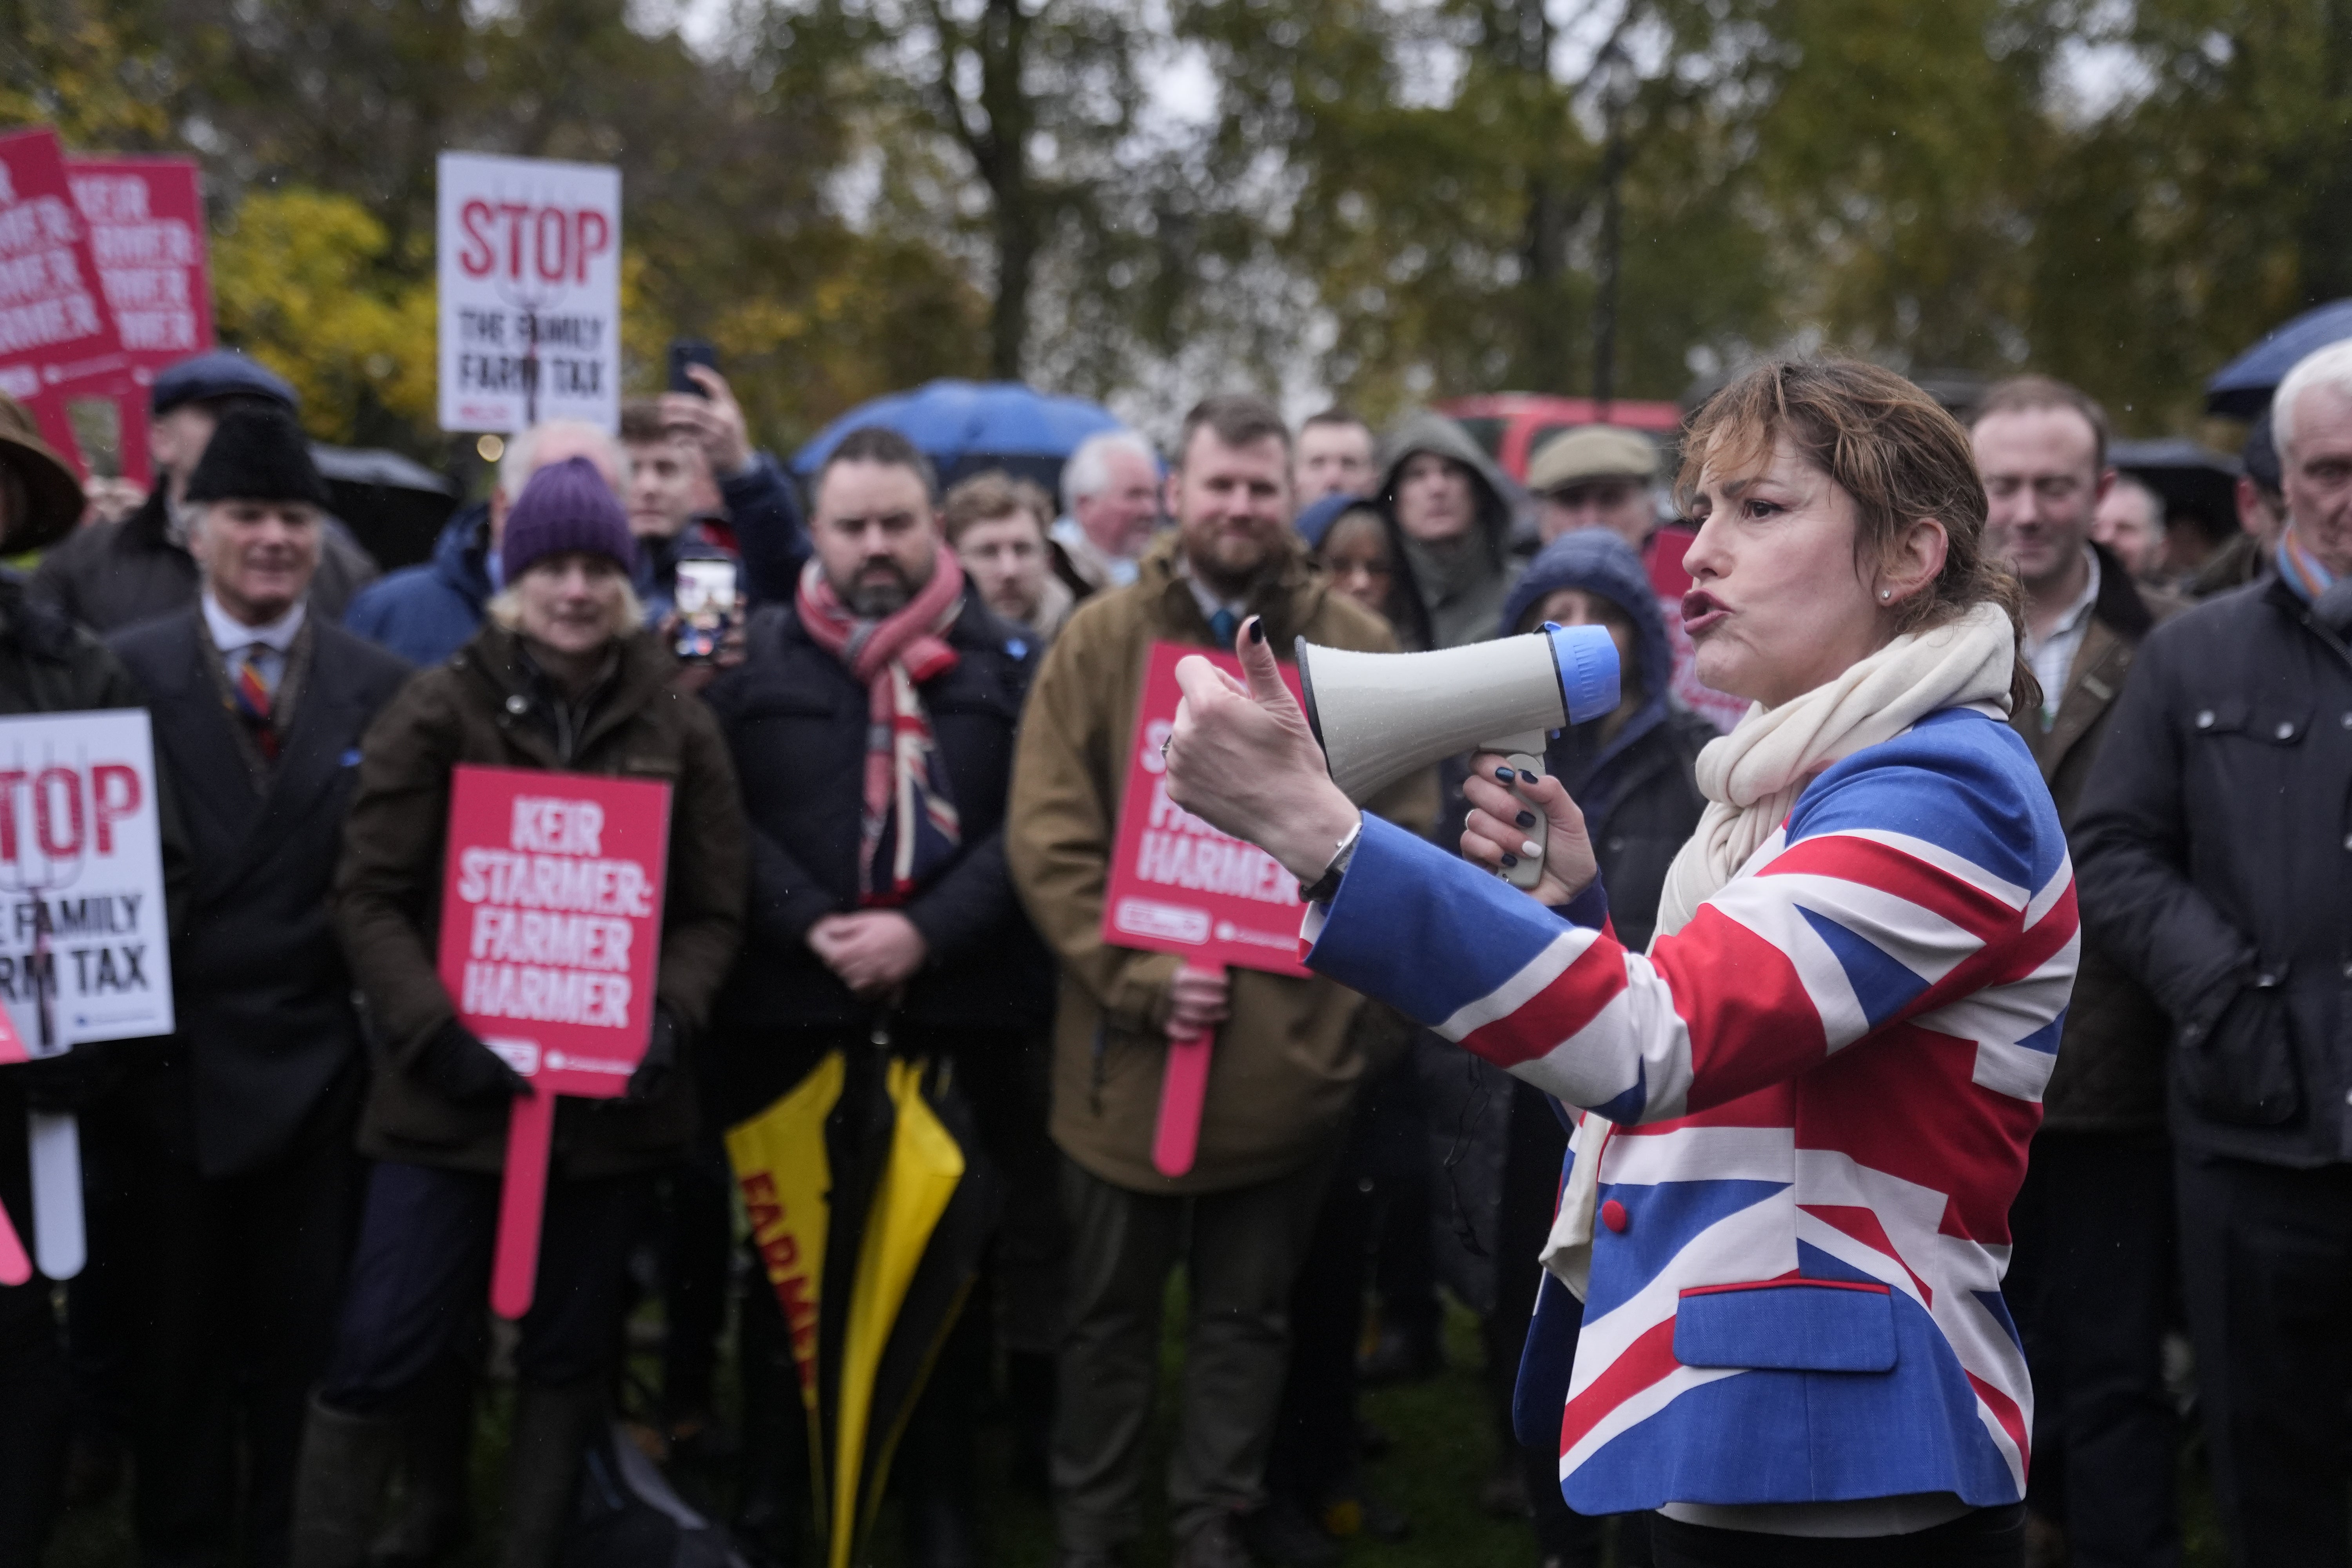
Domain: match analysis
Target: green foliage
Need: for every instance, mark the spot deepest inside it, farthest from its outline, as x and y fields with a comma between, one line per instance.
x=301, y=282
x=1396, y=199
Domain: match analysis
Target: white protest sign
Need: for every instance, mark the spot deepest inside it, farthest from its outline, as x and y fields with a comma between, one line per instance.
x=85, y=950
x=530, y=253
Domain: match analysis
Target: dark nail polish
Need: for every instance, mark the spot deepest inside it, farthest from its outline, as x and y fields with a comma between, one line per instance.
x=1527, y=819
x=1257, y=629
x=1510, y=861
x=1506, y=774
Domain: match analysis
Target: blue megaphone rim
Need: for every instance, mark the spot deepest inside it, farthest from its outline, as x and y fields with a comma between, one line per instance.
x=1585, y=658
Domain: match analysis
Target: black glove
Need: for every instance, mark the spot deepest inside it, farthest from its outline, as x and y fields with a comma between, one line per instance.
x=72, y=1082
x=653, y=1074
x=455, y=1064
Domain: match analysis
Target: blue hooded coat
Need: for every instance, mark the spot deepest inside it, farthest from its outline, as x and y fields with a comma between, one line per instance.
x=1636, y=784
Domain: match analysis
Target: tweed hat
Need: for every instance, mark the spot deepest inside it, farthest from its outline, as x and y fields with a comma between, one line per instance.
x=1591, y=452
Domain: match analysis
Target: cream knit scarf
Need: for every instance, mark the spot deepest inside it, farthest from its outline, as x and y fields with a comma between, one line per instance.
x=1752, y=777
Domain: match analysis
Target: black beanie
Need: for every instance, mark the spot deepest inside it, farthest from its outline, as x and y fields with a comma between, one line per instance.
x=257, y=454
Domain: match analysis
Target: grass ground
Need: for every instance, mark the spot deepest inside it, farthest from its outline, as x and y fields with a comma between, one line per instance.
x=1442, y=1451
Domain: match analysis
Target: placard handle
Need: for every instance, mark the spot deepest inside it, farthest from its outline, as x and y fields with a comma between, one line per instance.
x=55, y=1141
x=1184, y=1091
x=522, y=1201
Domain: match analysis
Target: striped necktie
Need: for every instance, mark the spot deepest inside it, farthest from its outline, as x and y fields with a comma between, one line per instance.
x=253, y=698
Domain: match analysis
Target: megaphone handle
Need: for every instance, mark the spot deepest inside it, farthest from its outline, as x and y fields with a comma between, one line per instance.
x=1528, y=872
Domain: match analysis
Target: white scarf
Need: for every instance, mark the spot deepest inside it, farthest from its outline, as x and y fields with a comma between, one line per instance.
x=1751, y=779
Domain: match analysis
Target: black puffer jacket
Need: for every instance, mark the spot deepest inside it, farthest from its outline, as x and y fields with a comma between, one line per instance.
x=2213, y=857
x=796, y=721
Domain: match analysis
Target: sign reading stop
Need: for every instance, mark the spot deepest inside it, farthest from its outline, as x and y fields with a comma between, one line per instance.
x=530, y=292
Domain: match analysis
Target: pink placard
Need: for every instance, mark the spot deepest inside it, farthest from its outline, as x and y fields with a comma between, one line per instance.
x=57, y=336
x=551, y=933
x=1176, y=884
x=551, y=921
x=146, y=217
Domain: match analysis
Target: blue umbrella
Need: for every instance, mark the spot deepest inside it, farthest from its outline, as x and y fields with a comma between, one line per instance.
x=2241, y=389
x=964, y=426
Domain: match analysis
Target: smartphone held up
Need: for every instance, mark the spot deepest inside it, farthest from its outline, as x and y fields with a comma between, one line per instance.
x=709, y=598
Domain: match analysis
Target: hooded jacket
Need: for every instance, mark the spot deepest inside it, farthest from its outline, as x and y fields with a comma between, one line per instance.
x=426, y=613
x=1638, y=787
x=1463, y=581
x=1406, y=612
x=1285, y=1065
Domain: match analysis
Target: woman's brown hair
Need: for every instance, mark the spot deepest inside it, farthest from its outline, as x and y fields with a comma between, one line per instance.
x=1890, y=447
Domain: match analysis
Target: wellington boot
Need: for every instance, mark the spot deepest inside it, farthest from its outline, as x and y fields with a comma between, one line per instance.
x=436, y=1451
x=551, y=1428
x=339, y=1481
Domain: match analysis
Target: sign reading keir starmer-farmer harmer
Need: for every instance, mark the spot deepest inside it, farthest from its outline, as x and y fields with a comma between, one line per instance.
x=530, y=292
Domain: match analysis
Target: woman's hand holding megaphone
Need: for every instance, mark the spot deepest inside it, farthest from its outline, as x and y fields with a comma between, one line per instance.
x=1243, y=760
x=1497, y=827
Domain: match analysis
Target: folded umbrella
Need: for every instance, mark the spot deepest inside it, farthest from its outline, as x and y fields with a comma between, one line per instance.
x=871, y=1211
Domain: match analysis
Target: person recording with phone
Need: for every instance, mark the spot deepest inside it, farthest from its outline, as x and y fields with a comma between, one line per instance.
x=740, y=498
x=1803, y=1112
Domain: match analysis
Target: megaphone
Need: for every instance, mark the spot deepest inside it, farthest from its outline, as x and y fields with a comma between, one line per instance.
x=1379, y=716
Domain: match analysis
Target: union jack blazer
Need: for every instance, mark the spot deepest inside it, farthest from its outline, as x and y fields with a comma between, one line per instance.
x=1813, y=1104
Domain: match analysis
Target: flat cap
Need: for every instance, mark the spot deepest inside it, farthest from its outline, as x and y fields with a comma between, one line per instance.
x=1591, y=452
x=222, y=372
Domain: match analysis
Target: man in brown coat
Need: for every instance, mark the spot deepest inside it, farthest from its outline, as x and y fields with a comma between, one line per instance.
x=1285, y=1071
x=2091, y=1278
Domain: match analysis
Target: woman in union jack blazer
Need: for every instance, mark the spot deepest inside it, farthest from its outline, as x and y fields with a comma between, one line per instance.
x=1802, y=1114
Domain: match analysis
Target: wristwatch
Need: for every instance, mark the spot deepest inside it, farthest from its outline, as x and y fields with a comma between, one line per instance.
x=1324, y=888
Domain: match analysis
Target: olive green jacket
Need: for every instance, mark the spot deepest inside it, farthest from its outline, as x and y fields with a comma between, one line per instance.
x=1285, y=1064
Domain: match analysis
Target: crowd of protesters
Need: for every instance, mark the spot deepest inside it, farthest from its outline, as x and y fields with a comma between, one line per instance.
x=896, y=790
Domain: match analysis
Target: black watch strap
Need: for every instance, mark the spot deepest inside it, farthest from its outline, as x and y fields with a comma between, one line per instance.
x=1325, y=888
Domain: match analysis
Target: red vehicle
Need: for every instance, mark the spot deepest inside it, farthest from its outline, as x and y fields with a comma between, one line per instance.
x=1512, y=425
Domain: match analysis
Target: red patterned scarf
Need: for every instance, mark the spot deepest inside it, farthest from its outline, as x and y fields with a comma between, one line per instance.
x=907, y=798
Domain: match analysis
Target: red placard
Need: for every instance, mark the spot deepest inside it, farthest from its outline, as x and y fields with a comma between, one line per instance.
x=550, y=930
x=57, y=336
x=550, y=919
x=1176, y=884
x=146, y=217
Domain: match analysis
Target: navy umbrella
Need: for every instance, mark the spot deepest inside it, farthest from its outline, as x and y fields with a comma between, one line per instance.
x=966, y=427
x=2241, y=389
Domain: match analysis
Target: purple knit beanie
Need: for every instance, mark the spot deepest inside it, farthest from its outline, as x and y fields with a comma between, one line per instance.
x=565, y=506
